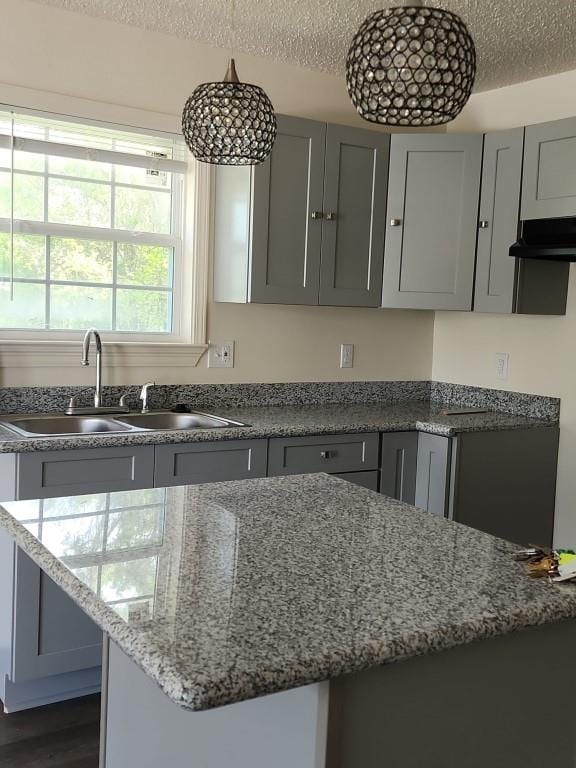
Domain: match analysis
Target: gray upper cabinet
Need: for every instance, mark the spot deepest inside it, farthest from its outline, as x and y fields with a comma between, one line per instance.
x=353, y=226
x=433, y=193
x=549, y=183
x=498, y=221
x=286, y=238
x=307, y=225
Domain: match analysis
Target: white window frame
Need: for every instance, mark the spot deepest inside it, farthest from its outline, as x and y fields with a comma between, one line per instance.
x=186, y=345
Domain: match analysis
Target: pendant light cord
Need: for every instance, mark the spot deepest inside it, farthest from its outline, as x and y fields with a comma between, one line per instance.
x=12, y=208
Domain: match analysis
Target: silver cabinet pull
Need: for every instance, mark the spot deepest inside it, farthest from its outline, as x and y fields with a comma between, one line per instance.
x=483, y=224
x=331, y=216
x=327, y=454
x=395, y=222
x=317, y=214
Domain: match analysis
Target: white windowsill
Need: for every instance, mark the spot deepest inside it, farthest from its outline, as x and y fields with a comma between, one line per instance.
x=66, y=354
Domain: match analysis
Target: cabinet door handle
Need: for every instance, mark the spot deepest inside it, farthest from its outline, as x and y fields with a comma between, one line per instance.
x=331, y=216
x=395, y=222
x=328, y=454
x=317, y=214
x=483, y=224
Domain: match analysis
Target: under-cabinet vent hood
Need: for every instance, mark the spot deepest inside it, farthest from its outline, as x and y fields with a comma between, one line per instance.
x=546, y=239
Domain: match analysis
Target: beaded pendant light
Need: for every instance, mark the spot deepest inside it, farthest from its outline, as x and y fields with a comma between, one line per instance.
x=411, y=66
x=229, y=122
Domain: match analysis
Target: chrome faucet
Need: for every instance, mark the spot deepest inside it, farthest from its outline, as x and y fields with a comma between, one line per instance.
x=74, y=409
x=144, y=395
x=85, y=361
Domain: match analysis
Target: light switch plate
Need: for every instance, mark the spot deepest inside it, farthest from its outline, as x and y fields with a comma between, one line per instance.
x=346, y=355
x=501, y=360
x=221, y=354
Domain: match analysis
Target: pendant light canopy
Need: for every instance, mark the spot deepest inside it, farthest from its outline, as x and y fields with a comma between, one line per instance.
x=229, y=122
x=411, y=66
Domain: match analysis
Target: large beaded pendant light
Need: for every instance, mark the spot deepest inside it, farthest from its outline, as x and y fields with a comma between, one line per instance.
x=411, y=66
x=229, y=122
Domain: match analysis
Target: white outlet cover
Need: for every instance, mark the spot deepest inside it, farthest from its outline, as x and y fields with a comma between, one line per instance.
x=221, y=354
x=501, y=360
x=346, y=355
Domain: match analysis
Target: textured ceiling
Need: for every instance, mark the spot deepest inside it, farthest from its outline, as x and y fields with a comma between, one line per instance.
x=515, y=41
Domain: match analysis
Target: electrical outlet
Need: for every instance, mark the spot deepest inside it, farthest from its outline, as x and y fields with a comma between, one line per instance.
x=501, y=360
x=221, y=354
x=346, y=355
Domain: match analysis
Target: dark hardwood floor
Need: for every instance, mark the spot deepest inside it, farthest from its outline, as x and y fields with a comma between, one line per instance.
x=59, y=736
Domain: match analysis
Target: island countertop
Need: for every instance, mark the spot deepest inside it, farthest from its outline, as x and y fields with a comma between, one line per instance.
x=229, y=591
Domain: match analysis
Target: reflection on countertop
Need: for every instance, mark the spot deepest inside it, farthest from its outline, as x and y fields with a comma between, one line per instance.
x=228, y=591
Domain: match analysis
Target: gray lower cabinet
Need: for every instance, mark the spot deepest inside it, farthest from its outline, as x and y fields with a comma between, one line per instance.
x=498, y=221
x=44, y=474
x=433, y=473
x=433, y=193
x=354, y=221
x=334, y=454
x=549, y=181
x=398, y=465
x=49, y=649
x=190, y=463
x=368, y=480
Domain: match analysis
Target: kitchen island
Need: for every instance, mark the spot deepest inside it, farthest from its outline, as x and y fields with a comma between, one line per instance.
x=271, y=615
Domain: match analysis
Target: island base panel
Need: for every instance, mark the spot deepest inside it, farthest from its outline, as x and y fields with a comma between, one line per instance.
x=145, y=728
x=503, y=701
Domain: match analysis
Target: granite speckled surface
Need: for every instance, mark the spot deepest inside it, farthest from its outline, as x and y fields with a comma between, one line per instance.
x=291, y=421
x=259, y=586
x=535, y=406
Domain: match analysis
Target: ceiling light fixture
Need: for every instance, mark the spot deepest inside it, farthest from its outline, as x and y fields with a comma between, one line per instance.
x=411, y=66
x=229, y=122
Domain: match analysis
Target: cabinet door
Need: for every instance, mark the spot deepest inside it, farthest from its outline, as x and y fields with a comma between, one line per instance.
x=52, y=635
x=433, y=192
x=433, y=472
x=355, y=182
x=209, y=462
x=498, y=221
x=323, y=453
x=399, y=456
x=45, y=474
x=286, y=216
x=549, y=182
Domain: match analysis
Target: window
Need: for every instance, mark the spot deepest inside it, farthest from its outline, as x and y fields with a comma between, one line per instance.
x=91, y=230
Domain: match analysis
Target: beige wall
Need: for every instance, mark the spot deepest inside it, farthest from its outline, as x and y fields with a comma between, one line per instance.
x=115, y=69
x=542, y=350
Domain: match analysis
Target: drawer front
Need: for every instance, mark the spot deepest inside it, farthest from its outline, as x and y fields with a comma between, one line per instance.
x=333, y=453
x=209, y=462
x=365, y=479
x=94, y=470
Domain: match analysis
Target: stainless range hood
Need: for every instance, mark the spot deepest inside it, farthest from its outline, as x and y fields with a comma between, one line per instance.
x=546, y=239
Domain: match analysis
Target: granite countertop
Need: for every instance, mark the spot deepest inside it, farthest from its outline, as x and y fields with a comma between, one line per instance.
x=229, y=591
x=292, y=421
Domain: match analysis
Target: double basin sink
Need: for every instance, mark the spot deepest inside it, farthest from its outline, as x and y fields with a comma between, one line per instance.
x=53, y=425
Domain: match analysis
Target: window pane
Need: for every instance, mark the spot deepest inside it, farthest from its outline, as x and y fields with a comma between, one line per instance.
x=129, y=579
x=89, y=575
x=146, y=311
x=23, y=161
x=81, y=261
x=29, y=256
x=144, y=265
x=28, y=308
x=75, y=505
x=142, y=211
x=23, y=510
x=79, y=202
x=28, y=196
x=73, y=306
x=85, y=169
x=141, y=177
x=135, y=528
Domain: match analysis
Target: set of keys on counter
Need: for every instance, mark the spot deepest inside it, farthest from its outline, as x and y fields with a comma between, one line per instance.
x=557, y=564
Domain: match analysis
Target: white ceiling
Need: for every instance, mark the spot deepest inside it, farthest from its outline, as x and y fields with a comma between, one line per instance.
x=516, y=39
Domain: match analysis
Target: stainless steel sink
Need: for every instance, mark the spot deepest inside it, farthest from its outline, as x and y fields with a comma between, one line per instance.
x=169, y=420
x=52, y=426
x=63, y=425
